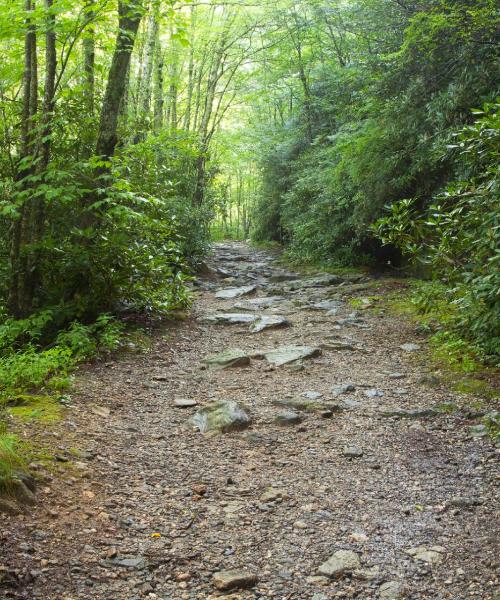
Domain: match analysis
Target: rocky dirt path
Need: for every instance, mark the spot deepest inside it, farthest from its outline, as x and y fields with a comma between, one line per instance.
x=339, y=480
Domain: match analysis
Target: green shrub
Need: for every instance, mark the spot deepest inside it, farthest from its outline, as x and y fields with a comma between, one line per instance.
x=458, y=236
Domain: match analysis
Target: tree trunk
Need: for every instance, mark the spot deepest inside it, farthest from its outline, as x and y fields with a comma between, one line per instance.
x=19, y=301
x=130, y=13
x=89, y=59
x=158, y=100
x=149, y=53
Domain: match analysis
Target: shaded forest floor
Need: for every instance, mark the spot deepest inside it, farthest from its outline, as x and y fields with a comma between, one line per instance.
x=349, y=450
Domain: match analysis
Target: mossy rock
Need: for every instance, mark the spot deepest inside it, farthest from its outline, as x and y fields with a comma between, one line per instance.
x=222, y=416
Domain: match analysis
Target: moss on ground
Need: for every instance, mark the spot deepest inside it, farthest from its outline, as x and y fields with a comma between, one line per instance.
x=45, y=409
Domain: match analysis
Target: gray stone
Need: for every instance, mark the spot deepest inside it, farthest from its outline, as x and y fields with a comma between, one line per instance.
x=373, y=393
x=343, y=388
x=185, y=403
x=310, y=395
x=137, y=562
x=432, y=555
x=288, y=418
x=391, y=590
x=342, y=562
x=227, y=359
x=332, y=306
x=238, y=579
x=352, y=452
x=265, y=302
x=273, y=495
x=229, y=293
x=410, y=347
x=288, y=354
x=273, y=322
x=233, y=318
x=222, y=416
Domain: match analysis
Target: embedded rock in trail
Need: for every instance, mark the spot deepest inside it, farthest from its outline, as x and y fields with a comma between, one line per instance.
x=391, y=590
x=344, y=388
x=230, y=293
x=185, y=403
x=432, y=555
x=227, y=359
x=332, y=306
x=223, y=416
x=231, y=580
x=343, y=562
x=288, y=417
x=289, y=354
x=311, y=395
x=410, y=347
x=232, y=318
x=265, y=322
x=267, y=301
x=352, y=452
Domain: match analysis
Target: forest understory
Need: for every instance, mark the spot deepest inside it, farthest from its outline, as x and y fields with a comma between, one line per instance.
x=353, y=444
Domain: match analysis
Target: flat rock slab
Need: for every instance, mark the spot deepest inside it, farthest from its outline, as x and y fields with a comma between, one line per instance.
x=137, y=562
x=232, y=580
x=222, y=416
x=228, y=359
x=410, y=347
x=232, y=318
x=343, y=562
x=330, y=305
x=274, y=322
x=229, y=293
x=185, y=403
x=289, y=354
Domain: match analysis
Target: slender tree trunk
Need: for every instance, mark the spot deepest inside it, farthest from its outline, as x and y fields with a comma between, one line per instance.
x=130, y=13
x=158, y=100
x=33, y=275
x=19, y=299
x=190, y=83
x=149, y=53
x=89, y=59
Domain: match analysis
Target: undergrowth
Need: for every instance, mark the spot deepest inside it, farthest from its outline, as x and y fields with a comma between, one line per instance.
x=463, y=365
x=35, y=373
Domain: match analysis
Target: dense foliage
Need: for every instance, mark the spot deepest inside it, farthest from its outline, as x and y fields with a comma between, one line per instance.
x=374, y=105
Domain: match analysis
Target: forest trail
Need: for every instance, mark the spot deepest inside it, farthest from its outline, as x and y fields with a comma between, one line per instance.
x=142, y=505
